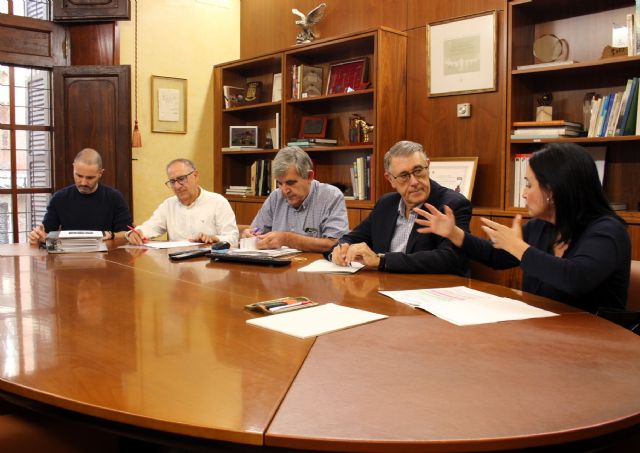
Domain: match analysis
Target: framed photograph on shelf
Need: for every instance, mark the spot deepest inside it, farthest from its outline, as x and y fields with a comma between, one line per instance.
x=455, y=173
x=243, y=136
x=168, y=105
x=313, y=127
x=461, y=55
x=347, y=76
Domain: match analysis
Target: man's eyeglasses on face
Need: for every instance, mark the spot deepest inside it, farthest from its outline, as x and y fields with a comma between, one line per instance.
x=179, y=180
x=418, y=173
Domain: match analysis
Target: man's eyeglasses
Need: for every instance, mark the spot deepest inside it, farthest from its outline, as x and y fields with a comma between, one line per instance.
x=179, y=180
x=418, y=173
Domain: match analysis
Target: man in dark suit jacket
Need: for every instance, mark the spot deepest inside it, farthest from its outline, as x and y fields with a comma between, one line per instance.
x=387, y=240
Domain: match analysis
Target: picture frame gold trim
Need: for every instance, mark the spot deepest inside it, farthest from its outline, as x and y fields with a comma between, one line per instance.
x=462, y=55
x=455, y=173
x=168, y=105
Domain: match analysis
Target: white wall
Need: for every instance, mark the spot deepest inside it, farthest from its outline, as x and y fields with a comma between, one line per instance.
x=183, y=39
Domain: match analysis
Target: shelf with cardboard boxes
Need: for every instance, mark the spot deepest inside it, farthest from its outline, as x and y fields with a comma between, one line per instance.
x=574, y=88
x=330, y=104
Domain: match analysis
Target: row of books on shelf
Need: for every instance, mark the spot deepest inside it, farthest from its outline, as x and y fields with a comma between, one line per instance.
x=610, y=115
x=615, y=113
x=521, y=163
x=262, y=181
x=360, y=179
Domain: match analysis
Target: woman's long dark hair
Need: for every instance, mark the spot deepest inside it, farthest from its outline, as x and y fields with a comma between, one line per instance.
x=569, y=173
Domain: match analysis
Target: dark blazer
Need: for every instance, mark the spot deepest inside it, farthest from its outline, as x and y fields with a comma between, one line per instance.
x=425, y=253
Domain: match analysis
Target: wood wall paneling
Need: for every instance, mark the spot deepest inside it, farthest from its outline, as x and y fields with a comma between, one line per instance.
x=267, y=26
x=245, y=212
x=433, y=121
x=94, y=44
x=421, y=12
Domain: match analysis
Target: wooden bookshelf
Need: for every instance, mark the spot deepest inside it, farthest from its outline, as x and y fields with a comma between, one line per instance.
x=586, y=25
x=382, y=103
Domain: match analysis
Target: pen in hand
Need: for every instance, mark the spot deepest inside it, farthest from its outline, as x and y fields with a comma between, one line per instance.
x=139, y=233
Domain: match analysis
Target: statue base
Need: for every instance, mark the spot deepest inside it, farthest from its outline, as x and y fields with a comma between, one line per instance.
x=544, y=113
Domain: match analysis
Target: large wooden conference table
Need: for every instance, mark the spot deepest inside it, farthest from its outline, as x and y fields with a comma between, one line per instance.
x=133, y=343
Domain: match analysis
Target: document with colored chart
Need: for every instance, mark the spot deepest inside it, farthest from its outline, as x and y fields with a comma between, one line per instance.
x=465, y=306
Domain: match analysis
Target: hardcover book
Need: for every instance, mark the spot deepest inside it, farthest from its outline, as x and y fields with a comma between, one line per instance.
x=310, y=81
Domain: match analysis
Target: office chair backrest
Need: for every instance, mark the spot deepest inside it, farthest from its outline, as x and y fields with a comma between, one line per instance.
x=633, y=297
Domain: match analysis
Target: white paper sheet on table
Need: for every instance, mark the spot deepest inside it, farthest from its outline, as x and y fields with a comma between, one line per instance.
x=327, y=267
x=465, y=306
x=170, y=244
x=319, y=320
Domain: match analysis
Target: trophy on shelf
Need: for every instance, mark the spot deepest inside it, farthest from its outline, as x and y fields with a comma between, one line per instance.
x=359, y=130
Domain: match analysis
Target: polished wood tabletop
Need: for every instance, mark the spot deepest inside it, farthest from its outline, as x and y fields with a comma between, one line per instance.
x=133, y=338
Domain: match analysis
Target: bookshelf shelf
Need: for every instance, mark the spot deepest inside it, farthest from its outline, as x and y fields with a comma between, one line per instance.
x=586, y=26
x=333, y=97
x=261, y=105
x=606, y=64
x=250, y=151
x=582, y=140
x=382, y=48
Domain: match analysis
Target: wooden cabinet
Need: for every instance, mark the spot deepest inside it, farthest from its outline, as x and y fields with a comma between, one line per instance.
x=90, y=10
x=382, y=104
x=586, y=26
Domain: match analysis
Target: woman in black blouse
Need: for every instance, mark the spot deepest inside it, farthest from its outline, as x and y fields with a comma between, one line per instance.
x=575, y=249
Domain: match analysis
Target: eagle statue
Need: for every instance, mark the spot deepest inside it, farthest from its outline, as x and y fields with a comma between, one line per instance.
x=307, y=22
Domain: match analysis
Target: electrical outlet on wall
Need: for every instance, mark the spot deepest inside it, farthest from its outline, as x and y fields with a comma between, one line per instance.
x=464, y=110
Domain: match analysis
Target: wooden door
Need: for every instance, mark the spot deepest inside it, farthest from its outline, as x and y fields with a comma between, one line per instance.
x=92, y=108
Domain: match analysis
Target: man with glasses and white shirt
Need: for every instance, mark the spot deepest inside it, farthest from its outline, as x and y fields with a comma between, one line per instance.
x=387, y=239
x=194, y=214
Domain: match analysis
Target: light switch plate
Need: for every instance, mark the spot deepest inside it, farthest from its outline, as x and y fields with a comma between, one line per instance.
x=464, y=110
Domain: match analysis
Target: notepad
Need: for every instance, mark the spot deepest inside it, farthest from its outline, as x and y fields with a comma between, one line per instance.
x=169, y=244
x=318, y=320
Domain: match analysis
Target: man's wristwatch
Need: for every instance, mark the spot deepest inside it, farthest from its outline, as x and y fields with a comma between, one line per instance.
x=382, y=261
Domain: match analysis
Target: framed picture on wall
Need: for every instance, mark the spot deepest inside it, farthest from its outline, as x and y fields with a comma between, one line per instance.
x=461, y=55
x=168, y=105
x=455, y=173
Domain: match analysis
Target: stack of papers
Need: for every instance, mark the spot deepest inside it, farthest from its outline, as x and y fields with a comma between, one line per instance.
x=273, y=253
x=78, y=241
x=465, y=306
x=316, y=320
